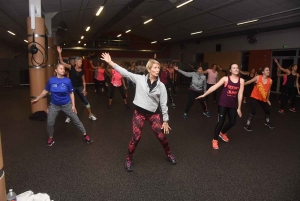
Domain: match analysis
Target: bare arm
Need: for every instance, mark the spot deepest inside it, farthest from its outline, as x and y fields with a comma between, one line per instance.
x=73, y=102
x=44, y=93
x=244, y=72
x=280, y=67
x=91, y=62
x=240, y=97
x=214, y=87
x=297, y=83
x=268, y=101
x=219, y=68
x=252, y=80
x=59, y=50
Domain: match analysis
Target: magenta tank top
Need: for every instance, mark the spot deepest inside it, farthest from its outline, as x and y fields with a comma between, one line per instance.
x=229, y=95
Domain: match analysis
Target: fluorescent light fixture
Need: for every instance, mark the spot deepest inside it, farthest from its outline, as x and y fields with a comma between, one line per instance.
x=99, y=11
x=11, y=33
x=196, y=32
x=167, y=39
x=26, y=41
x=82, y=37
x=153, y=42
x=79, y=41
x=88, y=28
x=84, y=44
x=128, y=31
x=119, y=35
x=246, y=22
x=184, y=3
x=148, y=21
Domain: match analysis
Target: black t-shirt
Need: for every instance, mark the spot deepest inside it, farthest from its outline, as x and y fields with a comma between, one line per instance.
x=76, y=77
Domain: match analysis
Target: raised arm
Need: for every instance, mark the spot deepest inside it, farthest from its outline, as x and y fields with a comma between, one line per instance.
x=214, y=87
x=221, y=69
x=280, y=67
x=279, y=74
x=191, y=66
x=244, y=72
x=61, y=61
x=187, y=74
x=252, y=80
x=91, y=62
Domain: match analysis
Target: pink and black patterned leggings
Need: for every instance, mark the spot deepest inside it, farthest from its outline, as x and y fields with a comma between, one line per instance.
x=138, y=122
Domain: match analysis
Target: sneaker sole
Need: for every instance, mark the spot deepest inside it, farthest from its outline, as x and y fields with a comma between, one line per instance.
x=206, y=115
x=215, y=147
x=293, y=111
x=269, y=126
x=90, y=142
x=247, y=129
x=50, y=144
x=223, y=139
x=172, y=162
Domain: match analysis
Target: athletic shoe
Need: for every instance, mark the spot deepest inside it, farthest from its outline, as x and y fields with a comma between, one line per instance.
x=173, y=105
x=293, y=109
x=247, y=128
x=206, y=114
x=224, y=137
x=185, y=116
x=281, y=111
x=50, y=142
x=215, y=144
x=128, y=166
x=269, y=125
x=68, y=120
x=172, y=159
x=87, y=139
x=92, y=117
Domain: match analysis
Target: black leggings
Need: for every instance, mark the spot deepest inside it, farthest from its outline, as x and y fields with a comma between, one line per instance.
x=214, y=93
x=98, y=83
x=232, y=114
x=169, y=93
x=121, y=90
x=264, y=105
x=288, y=91
x=191, y=99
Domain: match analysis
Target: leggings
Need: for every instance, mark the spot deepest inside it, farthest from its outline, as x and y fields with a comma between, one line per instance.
x=102, y=83
x=138, y=122
x=214, y=93
x=121, y=90
x=83, y=98
x=264, y=105
x=169, y=93
x=289, y=91
x=191, y=99
x=67, y=109
x=232, y=114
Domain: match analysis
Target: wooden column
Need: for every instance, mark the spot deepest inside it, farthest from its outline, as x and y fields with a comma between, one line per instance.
x=52, y=58
x=37, y=70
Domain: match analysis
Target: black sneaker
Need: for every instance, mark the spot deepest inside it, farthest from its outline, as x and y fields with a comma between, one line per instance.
x=50, y=142
x=247, y=128
x=128, y=166
x=269, y=125
x=172, y=159
x=88, y=139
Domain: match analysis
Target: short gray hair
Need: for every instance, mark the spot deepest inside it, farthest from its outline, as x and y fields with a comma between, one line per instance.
x=77, y=59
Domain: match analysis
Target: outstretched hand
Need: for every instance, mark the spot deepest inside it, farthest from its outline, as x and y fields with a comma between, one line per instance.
x=166, y=127
x=176, y=67
x=202, y=96
x=268, y=101
x=59, y=49
x=106, y=57
x=239, y=112
x=34, y=101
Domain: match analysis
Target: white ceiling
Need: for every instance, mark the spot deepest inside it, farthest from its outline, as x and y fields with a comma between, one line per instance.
x=210, y=16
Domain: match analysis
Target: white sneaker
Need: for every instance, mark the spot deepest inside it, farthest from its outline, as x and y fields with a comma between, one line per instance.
x=92, y=117
x=68, y=120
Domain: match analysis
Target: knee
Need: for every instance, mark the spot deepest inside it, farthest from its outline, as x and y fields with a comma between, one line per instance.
x=88, y=105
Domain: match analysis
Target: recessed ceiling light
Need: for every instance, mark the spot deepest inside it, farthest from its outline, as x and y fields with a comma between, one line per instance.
x=88, y=28
x=99, y=11
x=167, y=39
x=196, y=32
x=64, y=43
x=119, y=35
x=128, y=31
x=26, y=41
x=148, y=21
x=79, y=41
x=11, y=33
x=184, y=3
x=246, y=22
x=82, y=37
x=153, y=42
x=84, y=44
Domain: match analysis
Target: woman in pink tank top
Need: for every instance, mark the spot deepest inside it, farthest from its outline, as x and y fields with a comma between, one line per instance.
x=99, y=76
x=230, y=102
x=212, y=77
x=117, y=81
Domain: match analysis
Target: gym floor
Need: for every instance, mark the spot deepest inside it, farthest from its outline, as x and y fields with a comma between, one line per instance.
x=260, y=165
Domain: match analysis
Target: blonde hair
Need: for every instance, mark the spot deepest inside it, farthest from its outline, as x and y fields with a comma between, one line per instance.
x=151, y=62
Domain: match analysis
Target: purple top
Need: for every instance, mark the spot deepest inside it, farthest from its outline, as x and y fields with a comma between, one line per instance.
x=229, y=94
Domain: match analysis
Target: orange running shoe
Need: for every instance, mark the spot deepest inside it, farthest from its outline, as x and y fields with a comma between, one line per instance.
x=215, y=144
x=224, y=137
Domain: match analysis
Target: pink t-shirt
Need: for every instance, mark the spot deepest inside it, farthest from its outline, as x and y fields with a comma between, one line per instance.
x=116, y=78
x=100, y=75
x=212, y=77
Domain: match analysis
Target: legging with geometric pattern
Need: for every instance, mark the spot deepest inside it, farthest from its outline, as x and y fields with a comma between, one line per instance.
x=138, y=122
